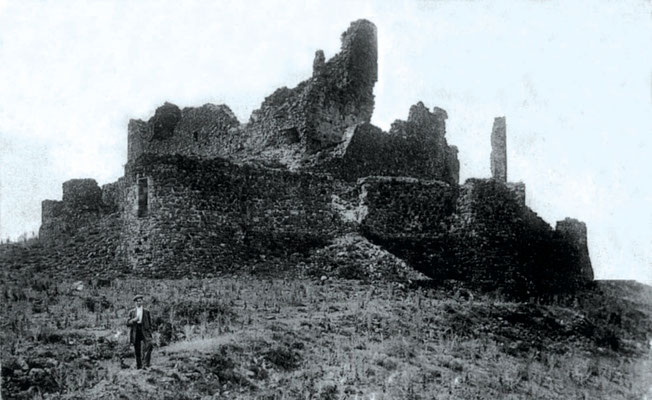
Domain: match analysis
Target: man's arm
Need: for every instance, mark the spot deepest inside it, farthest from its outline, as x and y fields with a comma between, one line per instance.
x=131, y=320
x=149, y=319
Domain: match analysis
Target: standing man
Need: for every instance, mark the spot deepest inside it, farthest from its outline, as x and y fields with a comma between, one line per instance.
x=140, y=334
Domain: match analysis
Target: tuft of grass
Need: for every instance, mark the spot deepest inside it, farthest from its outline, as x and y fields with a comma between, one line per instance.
x=283, y=357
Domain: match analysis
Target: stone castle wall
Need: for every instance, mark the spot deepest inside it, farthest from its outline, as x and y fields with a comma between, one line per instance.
x=482, y=233
x=414, y=148
x=207, y=131
x=81, y=206
x=211, y=215
x=405, y=207
x=501, y=240
x=84, y=229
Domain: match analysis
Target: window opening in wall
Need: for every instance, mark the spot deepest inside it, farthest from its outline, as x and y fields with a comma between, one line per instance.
x=195, y=135
x=142, y=197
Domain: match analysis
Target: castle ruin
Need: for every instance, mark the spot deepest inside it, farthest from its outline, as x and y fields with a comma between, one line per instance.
x=204, y=193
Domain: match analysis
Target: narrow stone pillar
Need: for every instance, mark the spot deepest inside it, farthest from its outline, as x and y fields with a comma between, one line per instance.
x=499, y=150
x=318, y=63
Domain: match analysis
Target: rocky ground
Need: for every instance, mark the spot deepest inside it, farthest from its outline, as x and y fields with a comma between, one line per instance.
x=247, y=336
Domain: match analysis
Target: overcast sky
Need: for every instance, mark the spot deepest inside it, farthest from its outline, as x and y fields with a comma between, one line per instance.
x=573, y=78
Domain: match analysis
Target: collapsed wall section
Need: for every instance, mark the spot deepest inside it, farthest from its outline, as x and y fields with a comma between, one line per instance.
x=481, y=233
x=414, y=148
x=320, y=125
x=81, y=232
x=314, y=115
x=502, y=240
x=81, y=205
x=207, y=131
x=206, y=216
x=411, y=218
x=290, y=125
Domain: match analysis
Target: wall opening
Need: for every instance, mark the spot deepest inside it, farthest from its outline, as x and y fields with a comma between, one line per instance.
x=142, y=197
x=291, y=135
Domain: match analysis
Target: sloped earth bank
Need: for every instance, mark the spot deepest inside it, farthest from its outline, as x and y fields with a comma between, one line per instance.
x=248, y=337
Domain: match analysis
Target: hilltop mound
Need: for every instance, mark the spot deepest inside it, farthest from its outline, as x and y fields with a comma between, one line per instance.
x=245, y=338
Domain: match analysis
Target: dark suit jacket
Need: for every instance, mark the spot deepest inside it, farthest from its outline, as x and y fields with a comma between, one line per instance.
x=146, y=324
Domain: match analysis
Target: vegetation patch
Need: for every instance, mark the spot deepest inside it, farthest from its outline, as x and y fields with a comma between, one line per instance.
x=236, y=338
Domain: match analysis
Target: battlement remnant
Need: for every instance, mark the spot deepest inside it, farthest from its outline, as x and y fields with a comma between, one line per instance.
x=414, y=148
x=499, y=150
x=50, y=209
x=82, y=193
x=207, y=131
x=164, y=121
x=314, y=115
x=575, y=232
x=81, y=206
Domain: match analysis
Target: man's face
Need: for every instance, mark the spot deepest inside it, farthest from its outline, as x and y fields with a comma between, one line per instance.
x=139, y=302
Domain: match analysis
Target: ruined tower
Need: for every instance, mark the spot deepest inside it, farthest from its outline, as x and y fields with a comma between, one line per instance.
x=499, y=150
x=575, y=232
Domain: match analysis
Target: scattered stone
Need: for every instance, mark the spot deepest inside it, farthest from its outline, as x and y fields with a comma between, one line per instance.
x=22, y=364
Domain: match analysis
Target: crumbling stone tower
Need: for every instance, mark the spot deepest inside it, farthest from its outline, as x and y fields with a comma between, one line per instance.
x=574, y=232
x=316, y=114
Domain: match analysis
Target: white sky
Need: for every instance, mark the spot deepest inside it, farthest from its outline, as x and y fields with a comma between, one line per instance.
x=573, y=78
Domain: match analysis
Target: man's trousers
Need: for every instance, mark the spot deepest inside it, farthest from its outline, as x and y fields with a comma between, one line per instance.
x=142, y=348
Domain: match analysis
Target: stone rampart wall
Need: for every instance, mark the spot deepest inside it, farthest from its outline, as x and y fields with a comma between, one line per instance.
x=483, y=234
x=207, y=131
x=83, y=194
x=414, y=148
x=405, y=207
x=81, y=206
x=211, y=215
x=502, y=240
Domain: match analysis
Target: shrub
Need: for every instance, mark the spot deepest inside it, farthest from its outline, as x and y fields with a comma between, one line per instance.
x=190, y=312
x=283, y=357
x=223, y=366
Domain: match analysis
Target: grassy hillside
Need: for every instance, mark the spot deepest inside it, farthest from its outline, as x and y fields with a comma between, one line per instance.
x=251, y=337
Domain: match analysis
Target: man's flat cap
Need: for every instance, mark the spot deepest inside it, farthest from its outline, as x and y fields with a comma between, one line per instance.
x=138, y=296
